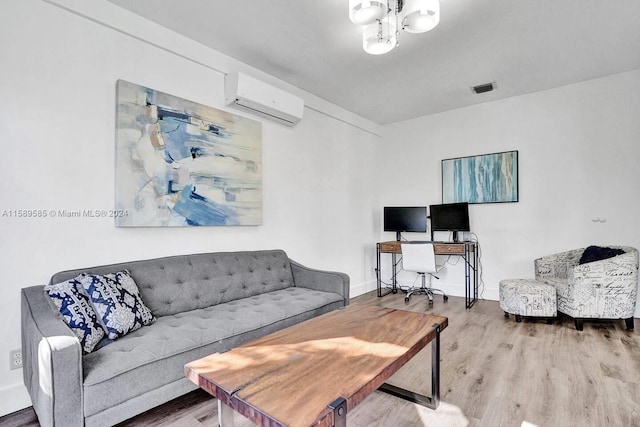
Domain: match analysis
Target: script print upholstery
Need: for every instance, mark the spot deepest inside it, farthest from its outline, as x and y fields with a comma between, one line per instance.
x=526, y=297
x=604, y=289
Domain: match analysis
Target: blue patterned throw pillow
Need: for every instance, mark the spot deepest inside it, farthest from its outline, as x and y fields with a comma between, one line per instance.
x=116, y=300
x=77, y=312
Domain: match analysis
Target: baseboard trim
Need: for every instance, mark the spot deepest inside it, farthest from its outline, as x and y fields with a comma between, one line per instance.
x=362, y=288
x=13, y=398
x=455, y=290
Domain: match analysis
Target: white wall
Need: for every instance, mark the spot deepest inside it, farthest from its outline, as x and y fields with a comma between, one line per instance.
x=578, y=160
x=57, y=133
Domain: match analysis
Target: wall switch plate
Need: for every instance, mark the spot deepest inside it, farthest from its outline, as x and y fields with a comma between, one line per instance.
x=15, y=359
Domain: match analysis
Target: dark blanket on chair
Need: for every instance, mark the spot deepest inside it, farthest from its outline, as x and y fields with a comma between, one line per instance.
x=597, y=253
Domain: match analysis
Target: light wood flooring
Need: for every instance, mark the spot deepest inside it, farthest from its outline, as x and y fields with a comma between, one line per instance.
x=494, y=372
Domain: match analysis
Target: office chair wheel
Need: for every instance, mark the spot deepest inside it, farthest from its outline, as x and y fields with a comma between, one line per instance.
x=445, y=298
x=406, y=299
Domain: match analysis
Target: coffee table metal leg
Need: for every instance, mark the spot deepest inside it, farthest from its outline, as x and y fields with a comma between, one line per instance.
x=432, y=401
x=435, y=370
x=339, y=407
x=225, y=415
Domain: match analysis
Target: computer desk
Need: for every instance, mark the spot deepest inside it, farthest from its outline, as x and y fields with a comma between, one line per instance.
x=467, y=250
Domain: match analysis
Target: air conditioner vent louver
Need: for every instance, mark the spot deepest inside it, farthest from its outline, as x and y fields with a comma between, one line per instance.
x=239, y=103
x=257, y=97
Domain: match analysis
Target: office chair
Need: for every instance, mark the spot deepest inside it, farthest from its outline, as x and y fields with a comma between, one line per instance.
x=420, y=257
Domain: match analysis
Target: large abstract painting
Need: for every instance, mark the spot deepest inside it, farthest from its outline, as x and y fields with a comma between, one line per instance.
x=179, y=163
x=488, y=178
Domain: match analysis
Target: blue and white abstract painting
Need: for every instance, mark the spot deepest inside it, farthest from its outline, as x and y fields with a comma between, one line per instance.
x=179, y=163
x=488, y=178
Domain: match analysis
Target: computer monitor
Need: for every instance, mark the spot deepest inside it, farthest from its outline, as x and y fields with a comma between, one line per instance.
x=449, y=217
x=405, y=219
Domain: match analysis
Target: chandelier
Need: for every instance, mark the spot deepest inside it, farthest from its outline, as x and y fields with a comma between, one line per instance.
x=383, y=19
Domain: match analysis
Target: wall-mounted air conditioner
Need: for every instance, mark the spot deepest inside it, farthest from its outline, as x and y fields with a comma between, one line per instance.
x=252, y=95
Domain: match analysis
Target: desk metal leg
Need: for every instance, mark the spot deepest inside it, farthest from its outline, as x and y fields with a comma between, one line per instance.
x=475, y=273
x=467, y=285
x=379, y=274
x=394, y=272
x=225, y=415
x=470, y=272
x=432, y=401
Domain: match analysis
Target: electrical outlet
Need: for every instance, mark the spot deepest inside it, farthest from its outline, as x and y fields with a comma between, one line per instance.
x=15, y=359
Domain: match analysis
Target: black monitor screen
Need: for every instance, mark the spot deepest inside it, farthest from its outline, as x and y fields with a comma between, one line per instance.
x=450, y=217
x=405, y=218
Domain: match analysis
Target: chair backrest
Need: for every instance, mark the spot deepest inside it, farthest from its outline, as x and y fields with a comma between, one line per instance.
x=419, y=257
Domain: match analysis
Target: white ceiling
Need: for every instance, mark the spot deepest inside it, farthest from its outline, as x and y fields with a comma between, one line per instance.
x=521, y=45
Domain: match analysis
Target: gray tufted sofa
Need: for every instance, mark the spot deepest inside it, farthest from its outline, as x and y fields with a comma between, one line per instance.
x=204, y=303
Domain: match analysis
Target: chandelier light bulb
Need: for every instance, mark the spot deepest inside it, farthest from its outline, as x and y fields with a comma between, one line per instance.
x=420, y=15
x=383, y=19
x=379, y=37
x=364, y=12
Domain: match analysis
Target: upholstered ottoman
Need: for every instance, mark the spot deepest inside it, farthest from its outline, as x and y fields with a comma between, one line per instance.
x=527, y=297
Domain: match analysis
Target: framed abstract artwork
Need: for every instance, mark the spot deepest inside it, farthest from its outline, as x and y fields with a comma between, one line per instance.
x=179, y=163
x=486, y=178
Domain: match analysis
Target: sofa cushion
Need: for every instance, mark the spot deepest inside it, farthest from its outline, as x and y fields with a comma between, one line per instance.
x=77, y=312
x=182, y=283
x=117, y=302
x=155, y=355
x=597, y=253
x=171, y=287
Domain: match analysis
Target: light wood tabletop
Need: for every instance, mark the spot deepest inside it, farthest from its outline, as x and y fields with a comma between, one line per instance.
x=290, y=377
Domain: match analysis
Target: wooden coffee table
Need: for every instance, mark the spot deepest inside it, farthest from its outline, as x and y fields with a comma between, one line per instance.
x=312, y=373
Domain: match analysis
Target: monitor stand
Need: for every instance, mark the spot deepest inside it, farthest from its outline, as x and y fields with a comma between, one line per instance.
x=398, y=236
x=455, y=236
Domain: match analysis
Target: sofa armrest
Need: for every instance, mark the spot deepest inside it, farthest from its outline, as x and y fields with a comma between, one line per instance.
x=619, y=273
x=557, y=266
x=320, y=280
x=52, y=362
x=620, y=265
